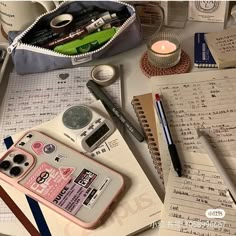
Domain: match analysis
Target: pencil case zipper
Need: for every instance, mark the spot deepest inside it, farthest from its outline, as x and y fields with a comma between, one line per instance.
x=17, y=44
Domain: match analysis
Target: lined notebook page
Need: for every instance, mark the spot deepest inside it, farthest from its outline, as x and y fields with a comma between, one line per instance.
x=188, y=197
x=36, y=98
x=204, y=100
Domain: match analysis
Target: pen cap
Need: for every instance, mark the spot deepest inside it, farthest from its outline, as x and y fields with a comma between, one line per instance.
x=108, y=17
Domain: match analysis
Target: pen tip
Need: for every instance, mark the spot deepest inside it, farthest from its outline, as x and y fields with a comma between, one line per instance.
x=158, y=98
x=199, y=133
x=179, y=172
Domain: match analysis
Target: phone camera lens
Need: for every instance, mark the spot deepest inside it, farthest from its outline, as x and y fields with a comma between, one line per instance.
x=19, y=158
x=15, y=171
x=5, y=165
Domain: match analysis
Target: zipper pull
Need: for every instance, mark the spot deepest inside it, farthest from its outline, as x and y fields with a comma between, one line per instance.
x=14, y=44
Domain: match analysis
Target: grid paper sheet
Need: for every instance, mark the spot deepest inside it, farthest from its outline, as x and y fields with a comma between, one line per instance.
x=5, y=213
x=36, y=98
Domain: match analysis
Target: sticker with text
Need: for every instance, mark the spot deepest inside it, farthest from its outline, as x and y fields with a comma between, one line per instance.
x=85, y=178
x=66, y=171
x=95, y=194
x=59, y=158
x=71, y=197
x=37, y=147
x=46, y=181
x=90, y=196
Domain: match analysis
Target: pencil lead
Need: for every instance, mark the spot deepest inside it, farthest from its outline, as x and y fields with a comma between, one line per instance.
x=179, y=172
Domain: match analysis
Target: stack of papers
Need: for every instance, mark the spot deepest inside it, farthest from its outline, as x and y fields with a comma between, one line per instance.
x=202, y=100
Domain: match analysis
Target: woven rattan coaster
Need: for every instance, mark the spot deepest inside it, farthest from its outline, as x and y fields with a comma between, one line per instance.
x=149, y=70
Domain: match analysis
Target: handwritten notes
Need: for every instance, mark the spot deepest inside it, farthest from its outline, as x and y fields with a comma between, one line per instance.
x=189, y=197
x=36, y=98
x=223, y=47
x=205, y=100
x=224, y=40
x=226, y=43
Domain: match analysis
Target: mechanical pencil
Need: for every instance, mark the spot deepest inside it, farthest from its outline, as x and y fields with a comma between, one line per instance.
x=99, y=94
x=218, y=165
x=171, y=146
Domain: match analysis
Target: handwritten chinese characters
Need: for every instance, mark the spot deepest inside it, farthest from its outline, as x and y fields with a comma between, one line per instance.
x=222, y=45
x=36, y=98
x=209, y=105
x=188, y=198
x=226, y=43
x=203, y=100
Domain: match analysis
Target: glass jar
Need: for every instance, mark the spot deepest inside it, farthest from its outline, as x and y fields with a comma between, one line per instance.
x=164, y=50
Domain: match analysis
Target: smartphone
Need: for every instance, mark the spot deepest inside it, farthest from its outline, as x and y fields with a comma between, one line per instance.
x=73, y=185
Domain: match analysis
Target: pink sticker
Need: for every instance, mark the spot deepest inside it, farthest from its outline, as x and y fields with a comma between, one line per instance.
x=66, y=171
x=37, y=147
x=46, y=181
x=71, y=197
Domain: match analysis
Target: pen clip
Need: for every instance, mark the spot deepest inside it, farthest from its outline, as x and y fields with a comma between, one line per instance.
x=157, y=112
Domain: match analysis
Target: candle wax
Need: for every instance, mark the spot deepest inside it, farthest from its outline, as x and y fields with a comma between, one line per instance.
x=163, y=46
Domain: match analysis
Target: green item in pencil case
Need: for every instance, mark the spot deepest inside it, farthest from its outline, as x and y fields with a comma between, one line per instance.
x=87, y=43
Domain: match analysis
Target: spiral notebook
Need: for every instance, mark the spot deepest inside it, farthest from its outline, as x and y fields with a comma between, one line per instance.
x=144, y=109
x=202, y=55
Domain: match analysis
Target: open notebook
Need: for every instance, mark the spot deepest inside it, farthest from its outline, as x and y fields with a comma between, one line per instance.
x=205, y=100
x=190, y=196
x=137, y=210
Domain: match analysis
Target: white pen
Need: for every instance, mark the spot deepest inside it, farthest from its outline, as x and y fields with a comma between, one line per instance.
x=218, y=165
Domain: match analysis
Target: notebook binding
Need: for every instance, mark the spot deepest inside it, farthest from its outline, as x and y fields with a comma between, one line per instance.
x=152, y=146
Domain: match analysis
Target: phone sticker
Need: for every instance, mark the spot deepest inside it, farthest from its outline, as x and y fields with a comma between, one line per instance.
x=49, y=148
x=66, y=171
x=71, y=197
x=88, y=199
x=37, y=147
x=85, y=178
x=95, y=194
x=29, y=136
x=46, y=181
x=59, y=158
